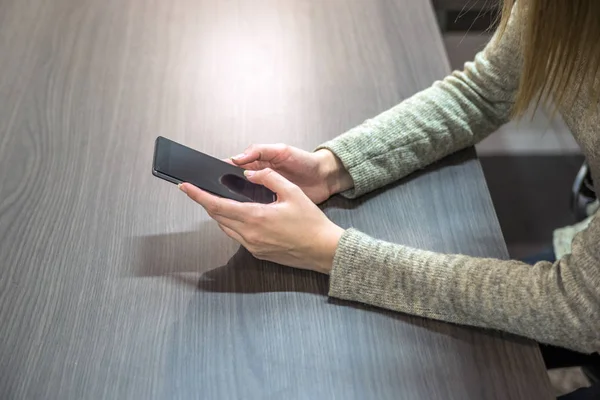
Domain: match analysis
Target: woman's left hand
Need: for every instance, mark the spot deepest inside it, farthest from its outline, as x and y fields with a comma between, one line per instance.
x=291, y=231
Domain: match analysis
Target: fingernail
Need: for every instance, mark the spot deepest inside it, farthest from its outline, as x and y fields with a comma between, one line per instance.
x=249, y=173
x=181, y=187
x=242, y=155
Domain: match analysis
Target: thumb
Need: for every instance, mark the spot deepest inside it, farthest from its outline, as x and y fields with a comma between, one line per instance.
x=271, y=180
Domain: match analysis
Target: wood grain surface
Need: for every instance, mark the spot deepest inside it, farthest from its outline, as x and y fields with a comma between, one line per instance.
x=113, y=285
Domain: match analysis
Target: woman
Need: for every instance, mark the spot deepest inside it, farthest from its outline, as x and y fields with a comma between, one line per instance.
x=544, y=49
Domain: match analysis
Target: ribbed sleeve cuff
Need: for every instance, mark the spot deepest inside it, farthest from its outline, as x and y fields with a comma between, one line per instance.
x=352, y=159
x=361, y=268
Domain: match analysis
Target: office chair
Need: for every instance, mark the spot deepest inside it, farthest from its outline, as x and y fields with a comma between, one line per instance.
x=582, y=193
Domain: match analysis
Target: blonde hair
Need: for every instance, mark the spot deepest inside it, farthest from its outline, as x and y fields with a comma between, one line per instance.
x=561, y=51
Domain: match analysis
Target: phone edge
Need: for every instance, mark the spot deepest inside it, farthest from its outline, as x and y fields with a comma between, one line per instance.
x=157, y=173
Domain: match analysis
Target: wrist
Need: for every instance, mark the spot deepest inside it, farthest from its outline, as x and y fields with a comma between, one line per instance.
x=333, y=172
x=328, y=246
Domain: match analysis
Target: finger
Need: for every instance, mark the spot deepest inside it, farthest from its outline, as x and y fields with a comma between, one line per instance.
x=261, y=152
x=215, y=205
x=229, y=223
x=255, y=165
x=273, y=181
x=232, y=234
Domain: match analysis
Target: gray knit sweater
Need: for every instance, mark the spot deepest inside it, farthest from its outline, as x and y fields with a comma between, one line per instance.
x=552, y=303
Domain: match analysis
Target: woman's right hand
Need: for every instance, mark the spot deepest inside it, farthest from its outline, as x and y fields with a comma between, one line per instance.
x=319, y=174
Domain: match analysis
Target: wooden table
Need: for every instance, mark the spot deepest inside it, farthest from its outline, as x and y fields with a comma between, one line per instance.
x=114, y=285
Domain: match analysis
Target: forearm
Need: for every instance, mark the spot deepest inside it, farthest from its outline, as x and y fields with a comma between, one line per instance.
x=551, y=303
x=451, y=115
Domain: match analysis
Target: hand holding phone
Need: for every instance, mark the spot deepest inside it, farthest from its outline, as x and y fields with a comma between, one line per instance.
x=319, y=174
x=293, y=232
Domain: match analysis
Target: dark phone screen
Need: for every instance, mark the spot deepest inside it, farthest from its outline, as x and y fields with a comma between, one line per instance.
x=208, y=173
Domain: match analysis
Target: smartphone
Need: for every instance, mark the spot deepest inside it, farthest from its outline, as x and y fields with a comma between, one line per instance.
x=177, y=163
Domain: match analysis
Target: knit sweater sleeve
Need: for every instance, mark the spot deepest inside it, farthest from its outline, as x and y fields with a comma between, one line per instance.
x=452, y=114
x=556, y=303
